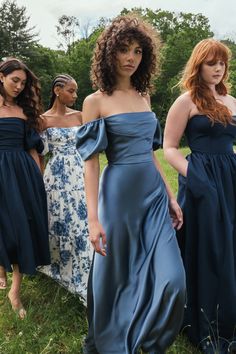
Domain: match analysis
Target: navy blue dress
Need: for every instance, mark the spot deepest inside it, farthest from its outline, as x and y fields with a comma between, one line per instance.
x=137, y=292
x=23, y=206
x=208, y=238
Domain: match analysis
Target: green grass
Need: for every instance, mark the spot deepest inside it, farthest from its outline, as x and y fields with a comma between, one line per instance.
x=56, y=320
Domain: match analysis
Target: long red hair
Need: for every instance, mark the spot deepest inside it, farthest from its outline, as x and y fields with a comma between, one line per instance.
x=200, y=93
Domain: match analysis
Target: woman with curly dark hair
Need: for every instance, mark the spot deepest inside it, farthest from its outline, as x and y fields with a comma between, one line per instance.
x=206, y=114
x=137, y=284
x=23, y=207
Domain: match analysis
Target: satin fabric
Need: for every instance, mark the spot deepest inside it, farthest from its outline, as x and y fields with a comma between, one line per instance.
x=23, y=205
x=208, y=238
x=137, y=292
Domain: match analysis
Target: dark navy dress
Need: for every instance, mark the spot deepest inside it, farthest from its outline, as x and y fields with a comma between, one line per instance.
x=23, y=206
x=208, y=238
x=137, y=292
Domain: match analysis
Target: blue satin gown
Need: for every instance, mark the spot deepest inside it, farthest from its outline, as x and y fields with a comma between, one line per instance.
x=137, y=292
x=208, y=238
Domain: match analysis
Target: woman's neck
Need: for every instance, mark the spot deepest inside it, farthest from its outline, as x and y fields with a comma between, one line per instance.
x=124, y=84
x=213, y=90
x=58, y=109
x=9, y=101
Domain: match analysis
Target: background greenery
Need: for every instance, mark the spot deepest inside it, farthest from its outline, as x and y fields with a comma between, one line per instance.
x=179, y=33
x=56, y=320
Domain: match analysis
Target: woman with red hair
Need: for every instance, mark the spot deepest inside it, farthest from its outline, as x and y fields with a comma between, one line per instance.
x=206, y=114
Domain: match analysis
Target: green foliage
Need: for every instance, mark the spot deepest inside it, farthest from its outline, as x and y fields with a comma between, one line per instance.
x=16, y=38
x=46, y=64
x=80, y=63
x=55, y=322
x=187, y=31
x=232, y=77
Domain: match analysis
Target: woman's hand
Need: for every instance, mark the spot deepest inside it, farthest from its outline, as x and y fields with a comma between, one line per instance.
x=175, y=214
x=97, y=237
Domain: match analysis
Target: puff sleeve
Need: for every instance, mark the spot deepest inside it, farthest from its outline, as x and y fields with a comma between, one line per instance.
x=91, y=138
x=157, y=139
x=33, y=140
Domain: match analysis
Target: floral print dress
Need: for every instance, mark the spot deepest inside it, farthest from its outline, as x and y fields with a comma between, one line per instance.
x=68, y=229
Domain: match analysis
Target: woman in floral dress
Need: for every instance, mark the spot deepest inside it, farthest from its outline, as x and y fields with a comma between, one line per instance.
x=64, y=183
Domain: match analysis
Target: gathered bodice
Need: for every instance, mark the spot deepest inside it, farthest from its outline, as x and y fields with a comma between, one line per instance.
x=60, y=140
x=16, y=136
x=204, y=137
x=125, y=137
x=12, y=131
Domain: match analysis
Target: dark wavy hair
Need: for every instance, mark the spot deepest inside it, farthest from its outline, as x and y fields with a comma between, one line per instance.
x=30, y=97
x=125, y=29
x=60, y=80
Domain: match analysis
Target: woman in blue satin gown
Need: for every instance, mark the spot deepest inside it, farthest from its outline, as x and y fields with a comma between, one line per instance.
x=23, y=205
x=207, y=194
x=136, y=290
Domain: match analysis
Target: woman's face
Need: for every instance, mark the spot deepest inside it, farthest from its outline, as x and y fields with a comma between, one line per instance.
x=14, y=83
x=128, y=58
x=212, y=71
x=68, y=93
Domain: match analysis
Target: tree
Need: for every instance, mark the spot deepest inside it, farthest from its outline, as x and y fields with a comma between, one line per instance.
x=46, y=63
x=181, y=36
x=68, y=29
x=80, y=64
x=17, y=38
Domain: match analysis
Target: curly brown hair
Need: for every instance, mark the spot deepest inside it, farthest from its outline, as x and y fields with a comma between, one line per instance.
x=200, y=93
x=125, y=29
x=30, y=97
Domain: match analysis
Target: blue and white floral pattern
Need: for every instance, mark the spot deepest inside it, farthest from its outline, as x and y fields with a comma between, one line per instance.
x=70, y=248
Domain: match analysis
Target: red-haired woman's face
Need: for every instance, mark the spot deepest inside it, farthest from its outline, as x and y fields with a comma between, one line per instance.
x=212, y=71
x=14, y=83
x=128, y=58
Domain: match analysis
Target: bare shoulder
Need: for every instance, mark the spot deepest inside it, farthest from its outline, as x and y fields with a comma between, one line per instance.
x=73, y=112
x=230, y=102
x=91, y=106
x=45, y=120
x=185, y=98
x=184, y=106
x=147, y=99
x=74, y=116
x=231, y=99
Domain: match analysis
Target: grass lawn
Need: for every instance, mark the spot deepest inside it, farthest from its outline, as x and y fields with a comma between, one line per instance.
x=56, y=320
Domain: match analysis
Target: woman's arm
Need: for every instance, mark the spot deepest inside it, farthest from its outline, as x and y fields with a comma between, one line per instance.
x=176, y=122
x=35, y=156
x=92, y=171
x=174, y=208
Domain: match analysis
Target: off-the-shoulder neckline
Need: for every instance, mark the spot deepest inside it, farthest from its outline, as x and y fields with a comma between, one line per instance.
x=204, y=115
x=117, y=114
x=24, y=120
x=73, y=126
